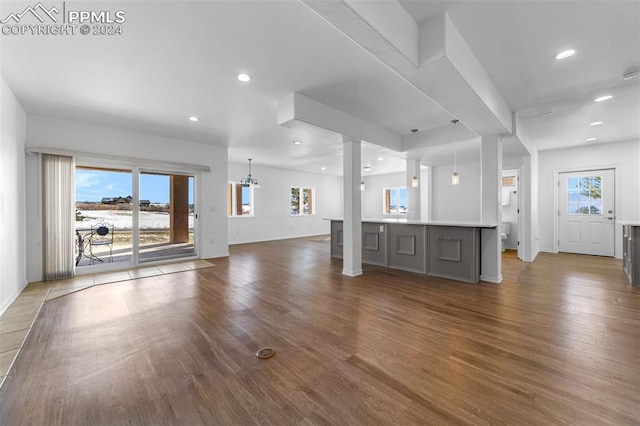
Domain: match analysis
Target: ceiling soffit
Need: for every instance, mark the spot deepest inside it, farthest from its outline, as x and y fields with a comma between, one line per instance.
x=433, y=57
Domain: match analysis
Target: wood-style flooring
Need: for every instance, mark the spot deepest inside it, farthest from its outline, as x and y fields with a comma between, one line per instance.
x=558, y=342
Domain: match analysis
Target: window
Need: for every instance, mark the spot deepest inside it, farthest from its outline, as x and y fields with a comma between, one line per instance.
x=239, y=200
x=302, y=201
x=509, y=181
x=394, y=200
x=585, y=195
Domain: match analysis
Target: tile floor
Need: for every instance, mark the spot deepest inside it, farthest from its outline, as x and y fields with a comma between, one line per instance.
x=17, y=320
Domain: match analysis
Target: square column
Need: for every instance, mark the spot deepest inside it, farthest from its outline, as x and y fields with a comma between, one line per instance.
x=179, y=209
x=414, y=205
x=491, y=201
x=352, y=237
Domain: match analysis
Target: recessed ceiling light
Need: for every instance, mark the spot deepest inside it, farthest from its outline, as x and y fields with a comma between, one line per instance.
x=595, y=123
x=603, y=98
x=244, y=77
x=194, y=118
x=323, y=168
x=380, y=158
x=367, y=168
x=592, y=139
x=566, y=53
x=297, y=142
x=630, y=75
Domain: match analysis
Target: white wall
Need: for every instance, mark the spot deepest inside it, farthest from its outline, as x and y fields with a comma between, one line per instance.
x=12, y=199
x=94, y=139
x=456, y=202
x=372, y=197
x=272, y=219
x=623, y=156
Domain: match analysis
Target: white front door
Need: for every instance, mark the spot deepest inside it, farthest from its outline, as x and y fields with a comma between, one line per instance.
x=586, y=214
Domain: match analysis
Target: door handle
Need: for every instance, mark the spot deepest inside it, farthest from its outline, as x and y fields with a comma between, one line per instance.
x=609, y=218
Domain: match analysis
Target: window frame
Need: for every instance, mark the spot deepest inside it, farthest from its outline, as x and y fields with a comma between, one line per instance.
x=311, y=201
x=232, y=200
x=386, y=201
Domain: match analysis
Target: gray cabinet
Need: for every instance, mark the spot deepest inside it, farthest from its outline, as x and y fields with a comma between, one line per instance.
x=454, y=253
x=406, y=247
x=337, y=238
x=440, y=250
x=374, y=244
x=631, y=253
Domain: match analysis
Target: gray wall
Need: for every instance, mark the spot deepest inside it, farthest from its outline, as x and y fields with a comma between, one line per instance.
x=12, y=197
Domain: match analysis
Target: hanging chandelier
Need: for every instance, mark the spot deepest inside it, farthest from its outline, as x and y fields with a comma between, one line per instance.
x=250, y=180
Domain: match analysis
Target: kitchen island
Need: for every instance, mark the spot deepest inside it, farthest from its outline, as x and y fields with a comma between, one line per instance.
x=443, y=249
x=631, y=251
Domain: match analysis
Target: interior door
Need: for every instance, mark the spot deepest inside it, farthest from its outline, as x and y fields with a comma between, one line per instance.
x=586, y=213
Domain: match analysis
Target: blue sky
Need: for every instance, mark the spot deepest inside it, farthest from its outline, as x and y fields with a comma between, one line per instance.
x=92, y=185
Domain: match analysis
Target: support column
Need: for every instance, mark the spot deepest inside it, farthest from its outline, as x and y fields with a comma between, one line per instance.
x=179, y=209
x=352, y=228
x=414, y=205
x=426, y=189
x=491, y=200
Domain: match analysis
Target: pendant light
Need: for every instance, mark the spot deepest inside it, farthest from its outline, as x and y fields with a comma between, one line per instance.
x=415, y=182
x=362, y=186
x=455, y=178
x=250, y=180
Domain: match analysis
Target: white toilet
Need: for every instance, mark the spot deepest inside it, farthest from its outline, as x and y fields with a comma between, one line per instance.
x=505, y=230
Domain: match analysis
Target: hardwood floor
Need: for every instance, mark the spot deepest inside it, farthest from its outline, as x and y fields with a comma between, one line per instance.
x=557, y=343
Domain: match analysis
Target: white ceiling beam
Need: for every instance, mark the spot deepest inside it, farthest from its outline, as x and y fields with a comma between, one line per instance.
x=383, y=28
x=297, y=111
x=445, y=70
x=522, y=133
x=438, y=136
x=452, y=76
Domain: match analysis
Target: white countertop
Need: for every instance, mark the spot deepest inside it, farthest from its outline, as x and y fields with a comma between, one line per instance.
x=629, y=222
x=463, y=224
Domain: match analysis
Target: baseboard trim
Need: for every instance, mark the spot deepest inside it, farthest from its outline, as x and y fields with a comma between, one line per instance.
x=13, y=298
x=491, y=279
x=286, y=237
x=533, y=257
x=215, y=255
x=352, y=273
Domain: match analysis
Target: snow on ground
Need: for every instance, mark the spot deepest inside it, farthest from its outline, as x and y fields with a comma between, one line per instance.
x=122, y=219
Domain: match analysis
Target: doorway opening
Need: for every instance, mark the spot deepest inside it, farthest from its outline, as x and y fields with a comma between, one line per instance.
x=510, y=211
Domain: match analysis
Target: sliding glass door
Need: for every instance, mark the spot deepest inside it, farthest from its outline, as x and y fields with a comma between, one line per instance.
x=104, y=216
x=166, y=216
x=130, y=216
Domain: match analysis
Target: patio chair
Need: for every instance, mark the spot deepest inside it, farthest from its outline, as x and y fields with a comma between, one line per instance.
x=101, y=236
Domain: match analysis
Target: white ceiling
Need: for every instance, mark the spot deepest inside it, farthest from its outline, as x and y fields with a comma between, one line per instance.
x=176, y=59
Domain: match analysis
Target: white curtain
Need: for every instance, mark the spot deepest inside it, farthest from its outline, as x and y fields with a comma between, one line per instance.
x=58, y=204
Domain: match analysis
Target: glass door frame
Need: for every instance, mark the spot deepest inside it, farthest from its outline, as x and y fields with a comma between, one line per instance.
x=135, y=170
x=164, y=171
